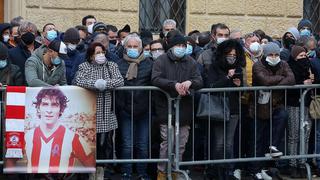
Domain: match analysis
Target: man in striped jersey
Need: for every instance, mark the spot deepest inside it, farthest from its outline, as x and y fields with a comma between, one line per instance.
x=51, y=147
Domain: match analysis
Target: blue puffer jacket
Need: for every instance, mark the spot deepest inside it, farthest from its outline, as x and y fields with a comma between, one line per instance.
x=70, y=63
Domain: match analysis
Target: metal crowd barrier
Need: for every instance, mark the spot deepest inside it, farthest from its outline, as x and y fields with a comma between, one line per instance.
x=304, y=89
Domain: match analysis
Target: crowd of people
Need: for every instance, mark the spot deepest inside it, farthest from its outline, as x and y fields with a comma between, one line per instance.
x=100, y=57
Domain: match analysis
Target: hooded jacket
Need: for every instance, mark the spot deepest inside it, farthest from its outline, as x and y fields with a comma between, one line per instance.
x=39, y=75
x=3, y=27
x=285, y=51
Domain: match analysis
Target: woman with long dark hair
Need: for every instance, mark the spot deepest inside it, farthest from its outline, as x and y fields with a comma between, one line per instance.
x=225, y=71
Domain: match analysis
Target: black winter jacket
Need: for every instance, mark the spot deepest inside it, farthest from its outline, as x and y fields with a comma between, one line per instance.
x=140, y=98
x=167, y=71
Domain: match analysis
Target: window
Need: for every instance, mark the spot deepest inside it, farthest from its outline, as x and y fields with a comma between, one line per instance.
x=311, y=11
x=152, y=13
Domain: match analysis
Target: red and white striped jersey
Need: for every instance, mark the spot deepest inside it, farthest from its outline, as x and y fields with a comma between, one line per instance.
x=57, y=153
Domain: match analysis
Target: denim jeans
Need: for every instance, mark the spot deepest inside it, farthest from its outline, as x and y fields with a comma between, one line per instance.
x=136, y=145
x=317, y=141
x=279, y=123
x=221, y=142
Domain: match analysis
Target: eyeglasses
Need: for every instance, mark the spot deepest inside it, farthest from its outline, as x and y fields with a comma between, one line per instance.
x=157, y=49
x=100, y=52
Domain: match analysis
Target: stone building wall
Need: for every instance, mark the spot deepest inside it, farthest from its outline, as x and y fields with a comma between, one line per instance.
x=272, y=16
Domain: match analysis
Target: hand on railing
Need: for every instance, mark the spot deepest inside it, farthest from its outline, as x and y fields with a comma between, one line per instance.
x=183, y=88
x=308, y=81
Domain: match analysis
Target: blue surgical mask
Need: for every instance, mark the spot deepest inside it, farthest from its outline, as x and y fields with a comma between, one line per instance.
x=56, y=61
x=146, y=53
x=132, y=53
x=3, y=63
x=305, y=32
x=51, y=35
x=189, y=49
x=179, y=52
x=311, y=54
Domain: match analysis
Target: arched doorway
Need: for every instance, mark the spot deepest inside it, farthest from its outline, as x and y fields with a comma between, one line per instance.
x=1, y=11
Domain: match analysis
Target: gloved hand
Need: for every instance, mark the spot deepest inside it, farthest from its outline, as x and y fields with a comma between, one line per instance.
x=100, y=84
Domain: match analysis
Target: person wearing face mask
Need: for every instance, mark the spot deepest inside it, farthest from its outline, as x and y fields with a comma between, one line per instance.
x=135, y=69
x=270, y=71
x=305, y=27
x=46, y=67
x=193, y=49
x=301, y=68
x=146, y=37
x=156, y=49
x=122, y=34
x=177, y=74
x=71, y=38
x=288, y=40
x=5, y=34
x=167, y=26
x=10, y=74
x=219, y=33
x=226, y=71
x=253, y=52
x=102, y=76
x=49, y=33
x=26, y=45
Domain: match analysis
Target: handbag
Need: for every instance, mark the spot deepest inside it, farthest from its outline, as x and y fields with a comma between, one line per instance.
x=314, y=108
x=213, y=106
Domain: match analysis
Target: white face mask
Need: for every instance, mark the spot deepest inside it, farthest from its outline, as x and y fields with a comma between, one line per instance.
x=220, y=40
x=255, y=47
x=72, y=46
x=90, y=28
x=100, y=58
x=273, y=61
x=6, y=38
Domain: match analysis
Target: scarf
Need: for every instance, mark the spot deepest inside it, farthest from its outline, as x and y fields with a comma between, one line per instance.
x=15, y=116
x=133, y=67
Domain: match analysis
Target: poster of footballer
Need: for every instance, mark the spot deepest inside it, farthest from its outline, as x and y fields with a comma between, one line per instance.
x=50, y=130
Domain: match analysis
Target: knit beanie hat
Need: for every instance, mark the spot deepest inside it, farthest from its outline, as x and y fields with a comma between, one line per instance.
x=3, y=51
x=296, y=50
x=304, y=23
x=271, y=48
x=71, y=36
x=177, y=39
x=99, y=26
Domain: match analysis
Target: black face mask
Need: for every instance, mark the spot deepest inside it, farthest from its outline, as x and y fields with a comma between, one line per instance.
x=304, y=63
x=28, y=38
x=288, y=42
x=114, y=42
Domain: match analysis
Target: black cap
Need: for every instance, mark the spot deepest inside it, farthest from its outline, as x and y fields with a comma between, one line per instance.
x=99, y=26
x=59, y=47
x=177, y=39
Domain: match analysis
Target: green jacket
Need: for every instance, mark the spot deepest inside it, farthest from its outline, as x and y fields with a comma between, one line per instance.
x=39, y=75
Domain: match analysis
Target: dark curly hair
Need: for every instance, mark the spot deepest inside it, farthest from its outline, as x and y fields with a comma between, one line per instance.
x=224, y=48
x=52, y=92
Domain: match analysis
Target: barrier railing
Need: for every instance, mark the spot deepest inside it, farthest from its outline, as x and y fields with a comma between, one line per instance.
x=254, y=91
